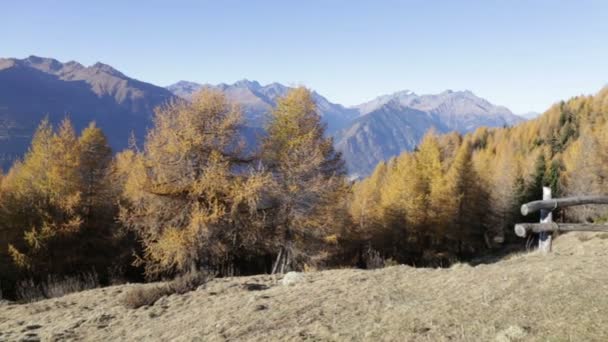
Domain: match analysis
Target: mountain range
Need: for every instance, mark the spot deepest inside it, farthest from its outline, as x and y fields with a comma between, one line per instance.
x=257, y=101
x=35, y=87
x=376, y=130
x=391, y=124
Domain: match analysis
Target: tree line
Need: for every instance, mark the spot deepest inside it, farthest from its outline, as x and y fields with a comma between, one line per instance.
x=193, y=196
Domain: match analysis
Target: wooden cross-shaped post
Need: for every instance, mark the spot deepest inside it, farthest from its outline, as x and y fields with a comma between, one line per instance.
x=546, y=216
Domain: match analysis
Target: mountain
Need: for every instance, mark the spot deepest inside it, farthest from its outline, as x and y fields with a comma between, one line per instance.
x=391, y=124
x=35, y=87
x=530, y=115
x=460, y=111
x=376, y=130
x=257, y=101
x=382, y=134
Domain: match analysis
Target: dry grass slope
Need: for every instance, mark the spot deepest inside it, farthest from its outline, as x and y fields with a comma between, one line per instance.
x=526, y=297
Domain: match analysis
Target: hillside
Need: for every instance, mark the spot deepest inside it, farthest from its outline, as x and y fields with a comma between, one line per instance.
x=526, y=297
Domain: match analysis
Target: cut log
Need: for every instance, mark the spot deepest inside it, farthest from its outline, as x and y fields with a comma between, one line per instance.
x=523, y=229
x=561, y=203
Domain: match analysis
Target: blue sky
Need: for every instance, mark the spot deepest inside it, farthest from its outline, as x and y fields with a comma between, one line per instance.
x=522, y=54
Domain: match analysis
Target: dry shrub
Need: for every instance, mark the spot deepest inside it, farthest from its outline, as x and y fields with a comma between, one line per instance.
x=189, y=282
x=55, y=286
x=373, y=259
x=143, y=296
x=391, y=262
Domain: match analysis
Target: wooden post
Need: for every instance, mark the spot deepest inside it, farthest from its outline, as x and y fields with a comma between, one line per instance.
x=546, y=216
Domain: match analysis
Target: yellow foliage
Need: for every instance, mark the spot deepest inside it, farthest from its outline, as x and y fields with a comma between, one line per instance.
x=189, y=194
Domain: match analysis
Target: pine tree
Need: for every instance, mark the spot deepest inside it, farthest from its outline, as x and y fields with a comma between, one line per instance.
x=538, y=178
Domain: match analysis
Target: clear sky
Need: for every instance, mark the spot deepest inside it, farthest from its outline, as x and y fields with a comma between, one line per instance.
x=525, y=54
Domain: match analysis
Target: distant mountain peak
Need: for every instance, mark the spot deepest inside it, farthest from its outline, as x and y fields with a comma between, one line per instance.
x=53, y=66
x=74, y=64
x=101, y=67
x=404, y=97
x=245, y=83
x=401, y=94
x=185, y=83
x=42, y=63
x=41, y=60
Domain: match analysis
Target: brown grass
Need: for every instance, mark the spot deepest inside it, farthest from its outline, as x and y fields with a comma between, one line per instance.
x=527, y=297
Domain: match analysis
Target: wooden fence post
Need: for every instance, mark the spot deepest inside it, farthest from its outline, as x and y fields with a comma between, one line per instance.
x=546, y=216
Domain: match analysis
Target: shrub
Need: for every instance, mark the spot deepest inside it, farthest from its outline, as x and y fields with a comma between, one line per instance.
x=189, y=282
x=142, y=296
x=373, y=259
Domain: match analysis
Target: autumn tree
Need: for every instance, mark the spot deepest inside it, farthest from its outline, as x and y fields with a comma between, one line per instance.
x=308, y=179
x=57, y=209
x=44, y=200
x=189, y=194
x=95, y=162
x=432, y=216
x=586, y=171
x=466, y=202
x=365, y=205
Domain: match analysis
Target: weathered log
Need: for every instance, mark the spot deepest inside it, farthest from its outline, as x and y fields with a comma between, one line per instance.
x=523, y=229
x=555, y=203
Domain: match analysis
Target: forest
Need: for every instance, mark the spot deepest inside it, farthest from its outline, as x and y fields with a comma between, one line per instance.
x=192, y=196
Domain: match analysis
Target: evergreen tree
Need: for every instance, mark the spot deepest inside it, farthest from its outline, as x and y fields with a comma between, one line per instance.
x=535, y=187
x=552, y=178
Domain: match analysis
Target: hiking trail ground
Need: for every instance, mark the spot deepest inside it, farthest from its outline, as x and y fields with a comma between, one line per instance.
x=562, y=296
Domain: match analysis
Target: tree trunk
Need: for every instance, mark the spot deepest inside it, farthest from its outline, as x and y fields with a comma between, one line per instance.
x=278, y=261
